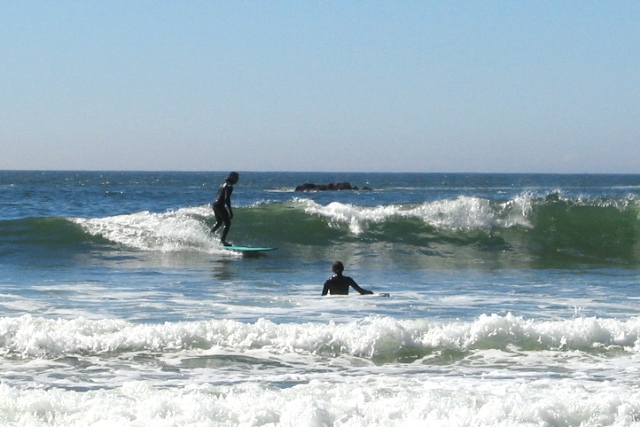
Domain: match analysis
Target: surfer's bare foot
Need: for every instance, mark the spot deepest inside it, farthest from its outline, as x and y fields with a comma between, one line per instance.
x=225, y=243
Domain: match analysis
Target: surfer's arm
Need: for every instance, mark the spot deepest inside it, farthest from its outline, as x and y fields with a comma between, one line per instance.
x=355, y=286
x=325, y=289
x=229, y=190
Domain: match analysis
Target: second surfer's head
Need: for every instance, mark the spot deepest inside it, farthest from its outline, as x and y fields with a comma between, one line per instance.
x=337, y=267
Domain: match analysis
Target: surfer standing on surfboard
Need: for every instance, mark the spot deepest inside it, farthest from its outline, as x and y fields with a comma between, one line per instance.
x=339, y=284
x=222, y=207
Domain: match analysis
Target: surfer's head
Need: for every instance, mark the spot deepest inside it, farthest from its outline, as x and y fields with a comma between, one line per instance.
x=337, y=267
x=233, y=177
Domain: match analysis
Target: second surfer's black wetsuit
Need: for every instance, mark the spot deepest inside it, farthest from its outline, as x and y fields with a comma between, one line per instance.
x=339, y=285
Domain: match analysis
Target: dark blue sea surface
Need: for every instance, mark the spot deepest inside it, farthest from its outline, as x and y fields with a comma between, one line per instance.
x=503, y=289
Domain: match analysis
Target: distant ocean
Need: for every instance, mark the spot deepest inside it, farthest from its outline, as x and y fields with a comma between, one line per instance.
x=514, y=300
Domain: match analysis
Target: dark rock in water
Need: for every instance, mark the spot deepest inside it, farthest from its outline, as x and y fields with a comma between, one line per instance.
x=334, y=186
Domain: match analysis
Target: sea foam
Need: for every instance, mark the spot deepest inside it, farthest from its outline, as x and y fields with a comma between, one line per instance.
x=461, y=213
x=179, y=230
x=372, y=336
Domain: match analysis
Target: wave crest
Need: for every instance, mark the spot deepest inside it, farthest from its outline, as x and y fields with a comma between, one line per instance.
x=381, y=339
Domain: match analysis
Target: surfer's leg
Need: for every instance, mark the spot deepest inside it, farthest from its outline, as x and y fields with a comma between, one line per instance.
x=219, y=220
x=225, y=231
x=222, y=217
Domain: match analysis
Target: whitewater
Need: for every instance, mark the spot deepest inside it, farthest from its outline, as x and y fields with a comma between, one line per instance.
x=513, y=301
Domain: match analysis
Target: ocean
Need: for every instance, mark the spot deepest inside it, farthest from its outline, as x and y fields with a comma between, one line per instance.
x=514, y=300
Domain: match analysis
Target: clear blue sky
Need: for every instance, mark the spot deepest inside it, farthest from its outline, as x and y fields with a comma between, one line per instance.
x=424, y=86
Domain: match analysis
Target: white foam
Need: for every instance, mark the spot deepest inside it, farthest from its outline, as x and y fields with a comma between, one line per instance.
x=180, y=230
x=381, y=400
x=368, y=337
x=461, y=213
x=508, y=371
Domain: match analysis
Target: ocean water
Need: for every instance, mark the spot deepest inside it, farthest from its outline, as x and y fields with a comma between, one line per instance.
x=514, y=300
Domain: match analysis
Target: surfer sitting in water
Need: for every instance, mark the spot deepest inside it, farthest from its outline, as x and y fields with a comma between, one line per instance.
x=339, y=284
x=222, y=207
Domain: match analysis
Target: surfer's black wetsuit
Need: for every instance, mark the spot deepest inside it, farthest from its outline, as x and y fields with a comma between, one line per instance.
x=222, y=210
x=339, y=285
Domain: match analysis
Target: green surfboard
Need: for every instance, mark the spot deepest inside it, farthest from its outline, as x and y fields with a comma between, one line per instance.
x=247, y=248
